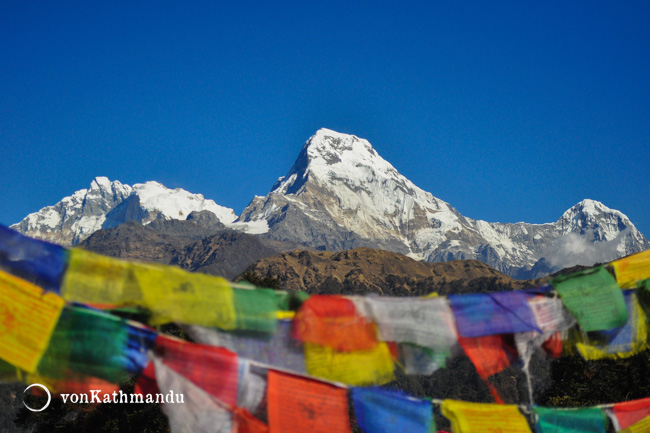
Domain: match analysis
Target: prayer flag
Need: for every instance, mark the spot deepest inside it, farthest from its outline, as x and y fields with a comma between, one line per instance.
x=550, y=314
x=28, y=316
x=626, y=414
x=642, y=426
x=96, y=344
x=583, y=420
x=481, y=417
x=251, y=389
x=192, y=410
x=381, y=411
x=621, y=342
x=421, y=360
x=95, y=279
x=552, y=318
x=247, y=423
x=333, y=321
x=594, y=298
x=277, y=350
x=425, y=322
x=488, y=354
x=255, y=309
x=632, y=269
x=298, y=405
x=39, y=262
x=213, y=369
x=359, y=368
x=483, y=314
x=175, y=295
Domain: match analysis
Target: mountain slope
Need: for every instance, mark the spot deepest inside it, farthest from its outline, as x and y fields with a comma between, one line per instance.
x=341, y=194
x=193, y=244
x=365, y=270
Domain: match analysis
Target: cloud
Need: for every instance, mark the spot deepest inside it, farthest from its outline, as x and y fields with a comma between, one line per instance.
x=574, y=249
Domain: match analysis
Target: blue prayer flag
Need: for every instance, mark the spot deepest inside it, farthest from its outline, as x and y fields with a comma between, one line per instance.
x=38, y=262
x=378, y=410
x=484, y=314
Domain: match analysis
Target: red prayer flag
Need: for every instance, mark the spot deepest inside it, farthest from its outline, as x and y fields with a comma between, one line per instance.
x=630, y=412
x=247, y=423
x=333, y=321
x=213, y=369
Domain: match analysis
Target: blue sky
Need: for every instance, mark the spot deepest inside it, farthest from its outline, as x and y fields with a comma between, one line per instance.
x=509, y=111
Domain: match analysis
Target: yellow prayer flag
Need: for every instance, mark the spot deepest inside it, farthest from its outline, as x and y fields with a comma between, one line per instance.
x=175, y=295
x=632, y=269
x=95, y=279
x=481, y=417
x=28, y=316
x=357, y=368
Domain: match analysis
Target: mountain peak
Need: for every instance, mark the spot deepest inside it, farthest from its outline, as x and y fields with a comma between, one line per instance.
x=329, y=157
x=332, y=146
x=101, y=182
x=590, y=208
x=109, y=203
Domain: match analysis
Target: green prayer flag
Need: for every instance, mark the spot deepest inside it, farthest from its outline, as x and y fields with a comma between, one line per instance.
x=86, y=342
x=587, y=420
x=594, y=298
x=255, y=309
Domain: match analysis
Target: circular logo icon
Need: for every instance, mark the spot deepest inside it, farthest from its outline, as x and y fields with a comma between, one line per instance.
x=49, y=397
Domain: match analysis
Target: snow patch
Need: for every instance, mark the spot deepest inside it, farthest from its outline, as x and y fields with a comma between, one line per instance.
x=251, y=227
x=177, y=203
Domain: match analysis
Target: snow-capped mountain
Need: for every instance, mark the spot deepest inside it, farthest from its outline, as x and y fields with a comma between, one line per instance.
x=108, y=204
x=341, y=194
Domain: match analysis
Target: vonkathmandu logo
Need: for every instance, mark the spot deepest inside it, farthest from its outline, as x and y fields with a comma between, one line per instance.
x=96, y=396
x=49, y=397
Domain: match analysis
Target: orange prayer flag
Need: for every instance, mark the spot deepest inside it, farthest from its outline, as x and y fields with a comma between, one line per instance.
x=298, y=405
x=488, y=354
x=28, y=316
x=333, y=321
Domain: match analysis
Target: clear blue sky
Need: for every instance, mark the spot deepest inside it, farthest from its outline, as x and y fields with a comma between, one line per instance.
x=510, y=111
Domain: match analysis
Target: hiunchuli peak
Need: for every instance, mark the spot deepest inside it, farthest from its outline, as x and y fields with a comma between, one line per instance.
x=107, y=204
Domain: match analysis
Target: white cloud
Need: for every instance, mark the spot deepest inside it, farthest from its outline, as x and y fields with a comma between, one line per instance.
x=574, y=249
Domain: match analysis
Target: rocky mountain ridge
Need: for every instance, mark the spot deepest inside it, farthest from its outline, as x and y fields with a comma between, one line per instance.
x=196, y=244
